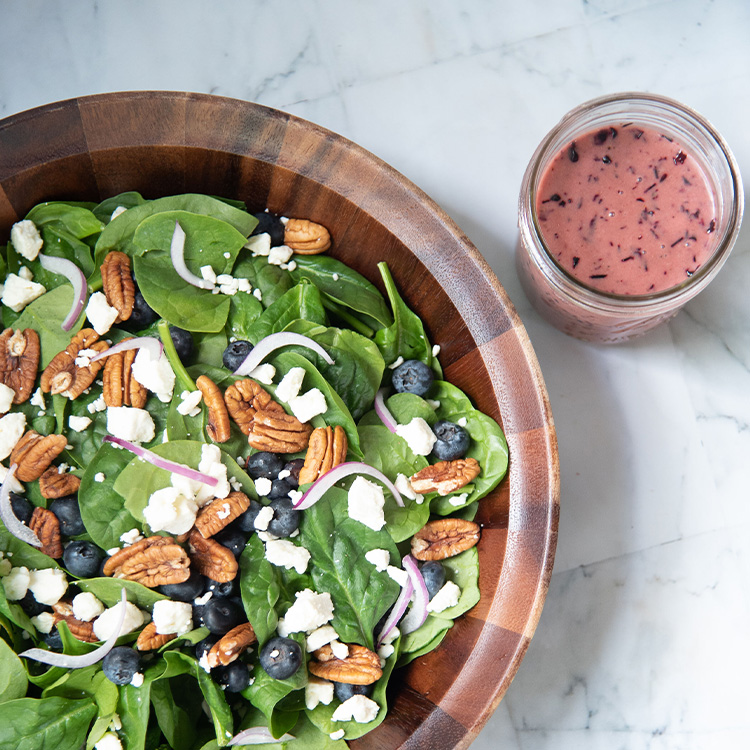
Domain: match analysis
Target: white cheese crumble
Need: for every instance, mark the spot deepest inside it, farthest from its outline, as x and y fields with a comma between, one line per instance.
x=43, y=622
x=131, y=537
x=264, y=374
x=13, y=483
x=172, y=617
x=418, y=435
x=384, y=652
x=78, y=424
x=264, y=517
x=117, y=212
x=137, y=680
x=104, y=625
x=211, y=464
x=100, y=313
x=365, y=503
x=290, y=384
x=188, y=405
x=7, y=394
x=98, y=404
x=155, y=374
x=16, y=583
x=400, y=576
x=5, y=565
x=321, y=637
x=130, y=423
x=433, y=403
x=258, y=295
x=86, y=606
x=309, y=612
x=358, y=708
x=337, y=735
x=403, y=485
x=26, y=239
x=100, y=476
x=461, y=422
x=18, y=292
x=260, y=244
x=25, y=273
x=208, y=274
x=318, y=691
x=335, y=277
x=84, y=357
x=380, y=558
x=279, y=255
x=396, y=363
x=436, y=350
x=286, y=554
x=169, y=510
x=262, y=486
x=340, y=650
x=109, y=741
x=48, y=585
x=12, y=427
x=308, y=405
x=448, y=596
x=458, y=500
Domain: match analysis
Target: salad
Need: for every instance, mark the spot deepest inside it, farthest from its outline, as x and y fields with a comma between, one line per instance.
x=237, y=493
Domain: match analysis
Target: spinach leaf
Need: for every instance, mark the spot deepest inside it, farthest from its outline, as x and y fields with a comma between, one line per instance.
x=209, y=347
x=306, y=734
x=452, y=399
x=105, y=695
x=404, y=407
x=107, y=590
x=206, y=243
x=244, y=310
x=348, y=288
x=177, y=724
x=424, y=639
x=45, y=723
x=106, y=208
x=75, y=220
x=337, y=545
x=300, y=302
x=13, y=681
x=22, y=553
x=272, y=280
x=61, y=244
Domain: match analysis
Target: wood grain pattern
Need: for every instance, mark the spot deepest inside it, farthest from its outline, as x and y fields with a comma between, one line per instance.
x=161, y=143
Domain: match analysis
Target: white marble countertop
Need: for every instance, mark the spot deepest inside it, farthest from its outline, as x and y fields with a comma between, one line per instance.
x=643, y=642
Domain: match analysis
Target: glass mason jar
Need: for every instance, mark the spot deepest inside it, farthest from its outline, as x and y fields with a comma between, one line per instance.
x=602, y=316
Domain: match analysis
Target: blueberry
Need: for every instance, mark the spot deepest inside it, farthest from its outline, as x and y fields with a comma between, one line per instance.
x=280, y=488
x=183, y=343
x=31, y=606
x=204, y=646
x=22, y=508
x=222, y=589
x=185, y=591
x=142, y=316
x=434, y=576
x=68, y=514
x=82, y=559
x=269, y=223
x=264, y=464
x=452, y=440
x=281, y=657
x=120, y=664
x=344, y=690
x=198, y=615
x=233, y=538
x=285, y=519
x=247, y=520
x=220, y=615
x=294, y=467
x=234, y=676
x=235, y=354
x=53, y=639
x=413, y=376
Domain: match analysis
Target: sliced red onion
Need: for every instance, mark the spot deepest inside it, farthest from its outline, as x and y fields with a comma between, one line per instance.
x=382, y=411
x=177, y=254
x=151, y=343
x=418, y=612
x=162, y=463
x=257, y=736
x=68, y=661
x=19, y=530
x=275, y=341
x=397, y=612
x=324, y=483
x=76, y=277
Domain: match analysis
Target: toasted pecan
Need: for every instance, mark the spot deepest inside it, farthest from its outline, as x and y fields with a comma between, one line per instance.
x=53, y=484
x=218, y=427
x=361, y=667
x=62, y=375
x=153, y=561
x=19, y=361
x=231, y=645
x=443, y=538
x=326, y=448
x=278, y=432
x=45, y=525
x=306, y=237
x=119, y=387
x=219, y=513
x=244, y=398
x=79, y=629
x=33, y=454
x=445, y=476
x=118, y=285
x=149, y=639
x=212, y=559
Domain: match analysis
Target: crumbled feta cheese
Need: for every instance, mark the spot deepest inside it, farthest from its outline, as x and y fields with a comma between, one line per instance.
x=86, y=606
x=264, y=517
x=279, y=255
x=448, y=596
x=291, y=265
x=295, y=496
x=380, y=558
x=43, y=622
x=243, y=285
x=109, y=741
x=189, y=401
x=26, y=239
x=130, y=423
x=201, y=600
x=117, y=212
x=62, y=468
x=320, y=637
x=403, y=485
x=25, y=273
x=461, y=422
x=396, y=363
x=169, y=510
x=12, y=427
x=78, y=424
x=340, y=650
x=286, y=554
x=399, y=575
x=260, y=244
x=391, y=636
x=318, y=691
x=284, y=473
x=224, y=511
x=384, y=652
x=100, y=476
x=458, y=500
x=104, y=625
x=211, y=464
x=100, y=313
x=263, y=486
x=16, y=583
x=290, y=384
x=309, y=612
x=115, y=723
x=433, y=403
x=267, y=536
x=235, y=484
x=7, y=394
x=418, y=435
x=98, y=404
x=131, y=537
x=18, y=292
x=258, y=295
x=337, y=735
x=230, y=286
x=203, y=663
x=264, y=373
x=137, y=680
x=358, y=708
x=308, y=405
x=208, y=274
x=84, y=357
x=365, y=503
x=335, y=277
x=5, y=565
x=112, y=550
x=48, y=585
x=436, y=350
x=172, y=617
x=155, y=374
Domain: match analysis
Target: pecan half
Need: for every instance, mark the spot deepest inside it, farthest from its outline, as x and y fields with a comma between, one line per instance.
x=219, y=513
x=52, y=484
x=278, y=432
x=218, y=427
x=80, y=629
x=34, y=453
x=118, y=285
x=306, y=237
x=231, y=645
x=244, y=398
x=45, y=525
x=154, y=561
x=326, y=449
x=445, y=476
x=444, y=537
x=119, y=387
x=63, y=376
x=149, y=639
x=19, y=361
x=212, y=559
x=361, y=667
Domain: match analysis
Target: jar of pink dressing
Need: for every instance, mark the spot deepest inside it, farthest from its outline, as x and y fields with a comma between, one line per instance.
x=628, y=208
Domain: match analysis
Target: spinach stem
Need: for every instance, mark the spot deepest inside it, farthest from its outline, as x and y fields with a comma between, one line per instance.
x=347, y=317
x=185, y=381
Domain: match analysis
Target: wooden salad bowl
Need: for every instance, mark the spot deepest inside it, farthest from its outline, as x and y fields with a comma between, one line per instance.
x=163, y=143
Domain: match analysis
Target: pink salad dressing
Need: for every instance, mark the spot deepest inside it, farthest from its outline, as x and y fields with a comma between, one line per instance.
x=627, y=210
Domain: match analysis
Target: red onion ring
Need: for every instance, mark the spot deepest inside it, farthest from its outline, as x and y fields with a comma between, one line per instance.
x=8, y=517
x=68, y=661
x=324, y=483
x=397, y=612
x=163, y=463
x=257, y=736
x=418, y=612
x=154, y=346
x=382, y=411
x=76, y=277
x=177, y=255
x=275, y=341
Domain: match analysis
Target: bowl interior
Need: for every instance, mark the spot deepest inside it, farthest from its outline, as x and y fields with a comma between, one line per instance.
x=162, y=143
